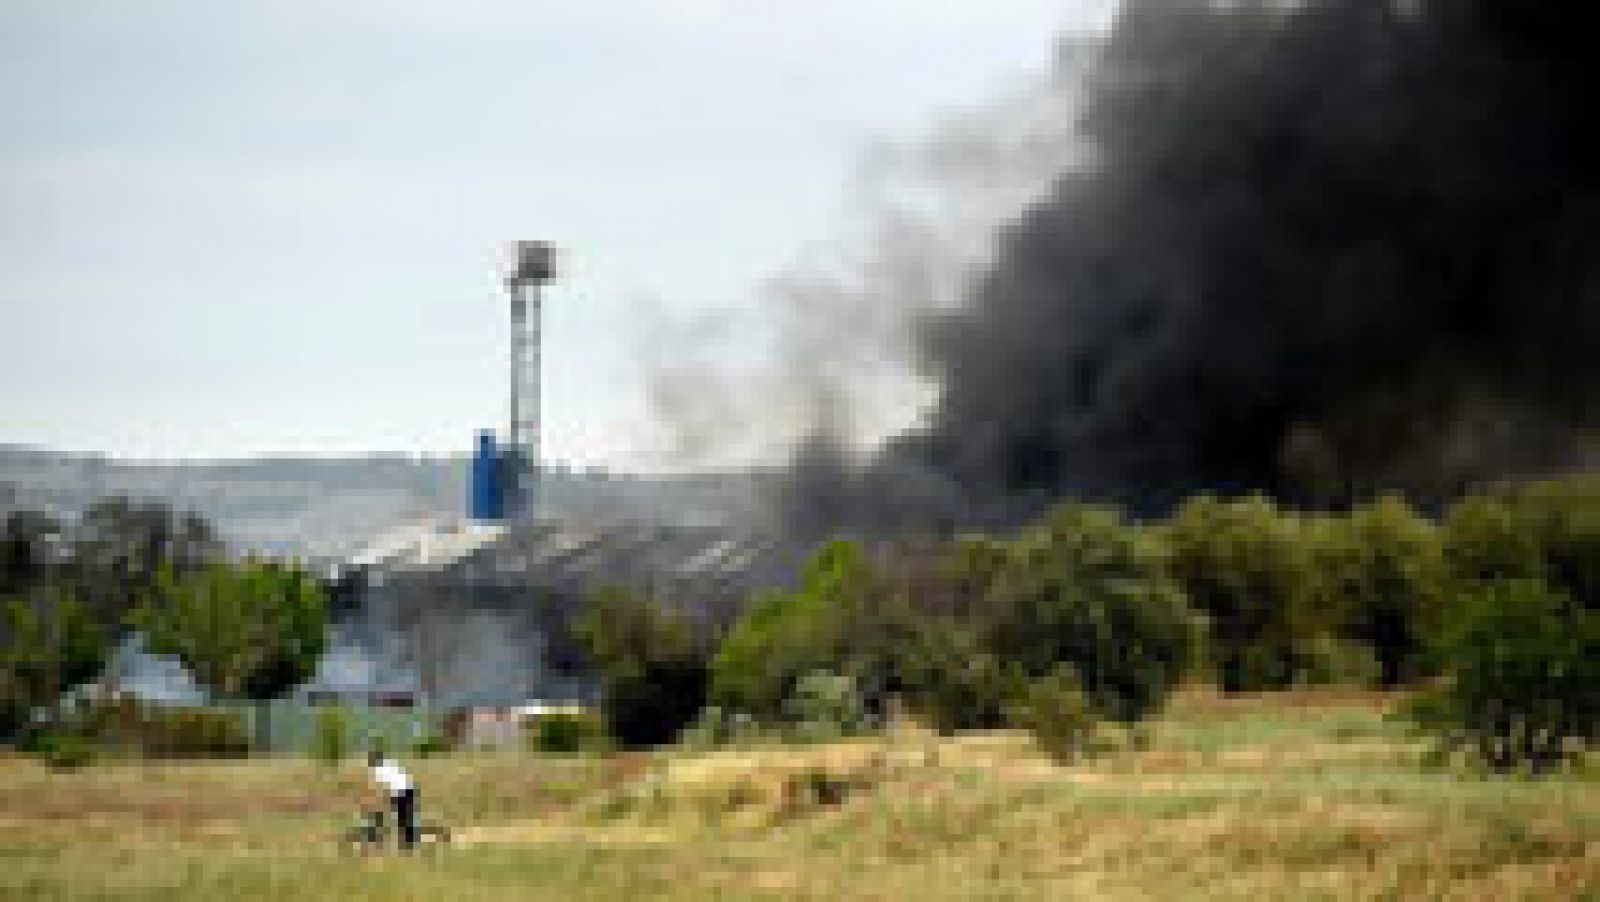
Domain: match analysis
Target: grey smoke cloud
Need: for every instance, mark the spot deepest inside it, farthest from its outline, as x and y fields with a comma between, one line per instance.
x=1321, y=249
x=828, y=352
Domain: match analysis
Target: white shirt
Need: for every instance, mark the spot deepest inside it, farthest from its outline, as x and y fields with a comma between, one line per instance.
x=391, y=777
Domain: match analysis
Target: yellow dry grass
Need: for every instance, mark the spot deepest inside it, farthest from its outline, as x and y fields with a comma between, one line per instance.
x=1303, y=796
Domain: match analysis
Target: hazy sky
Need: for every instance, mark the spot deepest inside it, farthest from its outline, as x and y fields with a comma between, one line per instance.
x=271, y=228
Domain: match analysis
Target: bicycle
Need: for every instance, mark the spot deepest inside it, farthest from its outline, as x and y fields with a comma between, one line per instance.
x=373, y=831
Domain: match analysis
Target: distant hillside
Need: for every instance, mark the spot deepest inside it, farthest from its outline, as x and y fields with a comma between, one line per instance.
x=329, y=508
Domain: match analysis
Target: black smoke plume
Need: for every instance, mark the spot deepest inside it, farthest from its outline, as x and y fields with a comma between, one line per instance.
x=1320, y=249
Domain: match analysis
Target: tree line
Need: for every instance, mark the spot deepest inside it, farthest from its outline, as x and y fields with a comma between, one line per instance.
x=1487, y=612
x=70, y=591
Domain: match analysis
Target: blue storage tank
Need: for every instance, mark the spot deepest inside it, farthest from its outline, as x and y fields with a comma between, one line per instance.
x=486, y=489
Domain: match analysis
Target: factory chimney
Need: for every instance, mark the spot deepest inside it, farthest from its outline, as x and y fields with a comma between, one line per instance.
x=532, y=266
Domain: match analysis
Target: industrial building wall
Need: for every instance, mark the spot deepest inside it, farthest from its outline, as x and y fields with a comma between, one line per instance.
x=454, y=644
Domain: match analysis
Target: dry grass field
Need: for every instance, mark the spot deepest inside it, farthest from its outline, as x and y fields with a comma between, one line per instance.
x=1297, y=796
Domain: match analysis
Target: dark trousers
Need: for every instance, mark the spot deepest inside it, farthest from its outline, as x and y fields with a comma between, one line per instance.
x=405, y=815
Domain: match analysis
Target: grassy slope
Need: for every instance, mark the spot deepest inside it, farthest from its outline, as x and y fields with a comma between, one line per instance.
x=1302, y=796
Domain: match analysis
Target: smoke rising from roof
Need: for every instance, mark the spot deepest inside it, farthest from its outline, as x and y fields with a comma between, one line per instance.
x=1322, y=248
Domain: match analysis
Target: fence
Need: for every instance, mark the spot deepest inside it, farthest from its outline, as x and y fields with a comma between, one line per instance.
x=289, y=726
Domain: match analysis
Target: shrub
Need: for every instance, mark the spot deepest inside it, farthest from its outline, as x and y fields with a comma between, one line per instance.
x=954, y=634
x=65, y=751
x=1485, y=541
x=330, y=739
x=49, y=643
x=432, y=744
x=952, y=682
x=709, y=730
x=1250, y=568
x=909, y=624
x=193, y=733
x=14, y=713
x=117, y=724
x=652, y=707
x=566, y=733
x=827, y=706
x=1564, y=515
x=1546, y=530
x=651, y=664
x=1059, y=715
x=1383, y=575
x=247, y=630
x=128, y=726
x=1085, y=588
x=1336, y=661
x=1523, y=680
x=719, y=726
x=783, y=636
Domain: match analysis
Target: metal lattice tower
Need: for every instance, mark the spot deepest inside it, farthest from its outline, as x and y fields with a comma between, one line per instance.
x=533, y=265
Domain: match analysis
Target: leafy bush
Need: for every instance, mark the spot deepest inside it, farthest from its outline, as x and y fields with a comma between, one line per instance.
x=1085, y=588
x=116, y=723
x=651, y=664
x=193, y=733
x=1523, y=685
x=566, y=733
x=1059, y=715
x=330, y=739
x=49, y=643
x=652, y=707
x=253, y=629
x=1251, y=569
x=14, y=713
x=783, y=636
x=1384, y=576
x=432, y=744
x=1485, y=541
x=1548, y=531
x=827, y=706
x=717, y=726
x=1564, y=516
x=953, y=682
x=65, y=750
x=956, y=638
x=125, y=725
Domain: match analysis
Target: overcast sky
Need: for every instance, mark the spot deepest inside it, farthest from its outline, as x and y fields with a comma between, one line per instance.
x=271, y=228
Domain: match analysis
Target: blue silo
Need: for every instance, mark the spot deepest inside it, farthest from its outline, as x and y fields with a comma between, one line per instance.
x=486, y=492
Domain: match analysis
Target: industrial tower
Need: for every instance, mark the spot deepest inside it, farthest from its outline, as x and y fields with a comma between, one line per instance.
x=532, y=266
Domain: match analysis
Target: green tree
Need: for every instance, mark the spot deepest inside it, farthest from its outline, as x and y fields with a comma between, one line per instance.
x=1523, y=678
x=1563, y=516
x=782, y=636
x=1250, y=568
x=1060, y=716
x=251, y=630
x=1546, y=531
x=1084, y=588
x=947, y=579
x=951, y=680
x=1485, y=540
x=651, y=663
x=48, y=644
x=1383, y=569
x=30, y=543
x=119, y=548
x=846, y=618
x=330, y=738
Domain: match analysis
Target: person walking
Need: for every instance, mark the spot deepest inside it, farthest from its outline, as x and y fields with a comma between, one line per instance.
x=402, y=792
